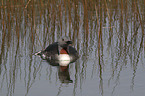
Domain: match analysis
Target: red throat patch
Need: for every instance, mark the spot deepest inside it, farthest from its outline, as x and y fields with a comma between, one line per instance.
x=63, y=51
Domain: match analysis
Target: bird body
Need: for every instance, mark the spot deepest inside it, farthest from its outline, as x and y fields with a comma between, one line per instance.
x=61, y=52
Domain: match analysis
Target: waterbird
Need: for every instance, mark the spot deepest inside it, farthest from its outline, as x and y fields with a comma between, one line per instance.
x=60, y=52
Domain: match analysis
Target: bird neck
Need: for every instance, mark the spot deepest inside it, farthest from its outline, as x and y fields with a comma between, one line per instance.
x=64, y=50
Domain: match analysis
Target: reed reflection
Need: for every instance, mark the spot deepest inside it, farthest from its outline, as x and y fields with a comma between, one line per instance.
x=110, y=33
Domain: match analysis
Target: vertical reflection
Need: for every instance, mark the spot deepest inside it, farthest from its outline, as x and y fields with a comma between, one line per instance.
x=100, y=52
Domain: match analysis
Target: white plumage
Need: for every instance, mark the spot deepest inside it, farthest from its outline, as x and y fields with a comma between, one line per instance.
x=64, y=59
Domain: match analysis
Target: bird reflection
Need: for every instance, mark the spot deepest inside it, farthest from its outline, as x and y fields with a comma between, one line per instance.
x=63, y=71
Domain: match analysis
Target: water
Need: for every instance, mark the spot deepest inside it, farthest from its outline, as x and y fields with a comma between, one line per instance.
x=109, y=39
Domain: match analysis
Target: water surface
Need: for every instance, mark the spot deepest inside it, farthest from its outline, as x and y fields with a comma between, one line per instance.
x=108, y=35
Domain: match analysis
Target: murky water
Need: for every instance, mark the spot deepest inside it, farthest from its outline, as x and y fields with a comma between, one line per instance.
x=108, y=35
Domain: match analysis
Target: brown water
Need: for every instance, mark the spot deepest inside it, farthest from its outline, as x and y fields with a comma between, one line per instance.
x=108, y=35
